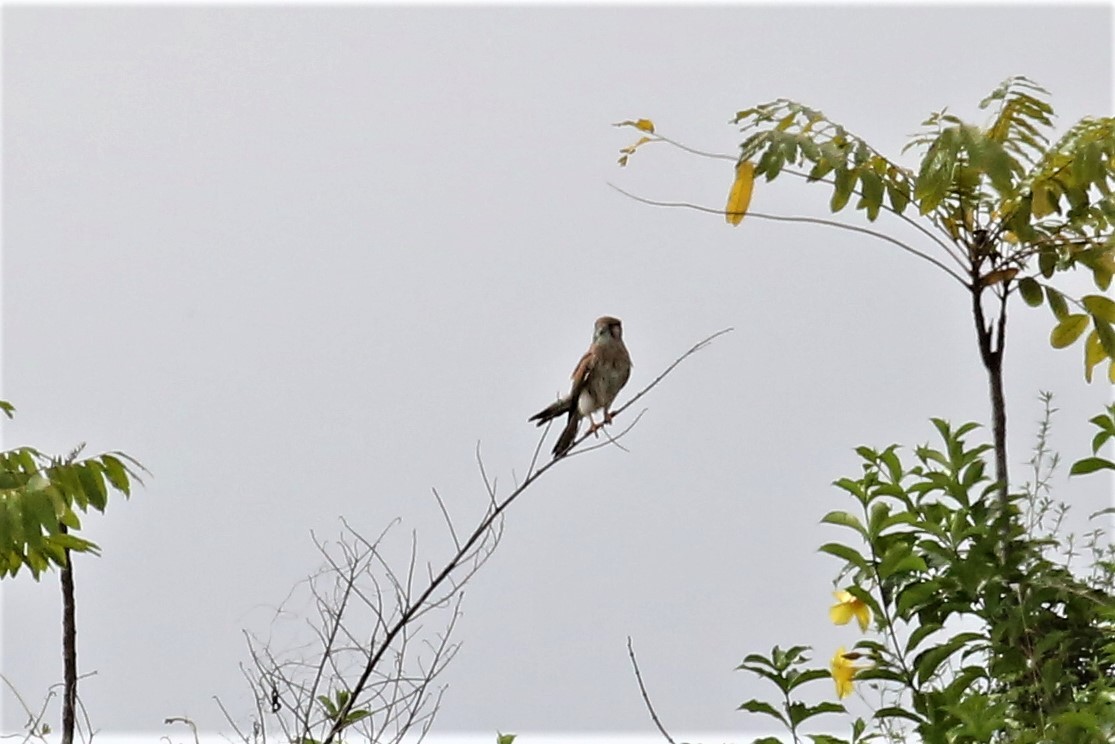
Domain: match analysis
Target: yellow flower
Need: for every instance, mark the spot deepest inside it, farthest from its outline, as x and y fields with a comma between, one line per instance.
x=844, y=671
x=847, y=607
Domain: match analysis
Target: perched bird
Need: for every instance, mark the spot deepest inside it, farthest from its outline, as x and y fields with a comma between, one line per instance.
x=600, y=375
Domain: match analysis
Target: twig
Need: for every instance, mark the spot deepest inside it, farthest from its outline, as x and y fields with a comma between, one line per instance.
x=809, y=220
x=187, y=721
x=612, y=439
x=693, y=350
x=448, y=521
x=646, y=697
x=231, y=722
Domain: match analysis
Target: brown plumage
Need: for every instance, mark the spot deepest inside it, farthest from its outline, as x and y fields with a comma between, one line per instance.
x=597, y=380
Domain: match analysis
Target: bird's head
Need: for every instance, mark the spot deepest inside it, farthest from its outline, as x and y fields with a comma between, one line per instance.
x=608, y=327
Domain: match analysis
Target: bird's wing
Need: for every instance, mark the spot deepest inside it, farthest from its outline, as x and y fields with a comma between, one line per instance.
x=581, y=375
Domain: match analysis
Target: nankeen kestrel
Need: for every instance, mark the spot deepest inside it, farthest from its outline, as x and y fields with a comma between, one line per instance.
x=600, y=375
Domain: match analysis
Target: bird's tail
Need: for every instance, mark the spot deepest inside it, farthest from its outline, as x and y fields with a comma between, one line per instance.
x=568, y=434
x=558, y=408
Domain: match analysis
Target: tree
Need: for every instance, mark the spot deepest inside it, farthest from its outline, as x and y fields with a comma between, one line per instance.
x=1001, y=209
x=40, y=498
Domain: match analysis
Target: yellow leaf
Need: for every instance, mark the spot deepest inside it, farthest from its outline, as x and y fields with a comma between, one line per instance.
x=1111, y=372
x=1068, y=330
x=625, y=152
x=645, y=125
x=740, y=195
x=1093, y=354
x=995, y=277
x=630, y=149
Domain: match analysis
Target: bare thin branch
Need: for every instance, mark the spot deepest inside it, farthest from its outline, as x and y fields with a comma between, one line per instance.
x=187, y=721
x=231, y=722
x=913, y=223
x=448, y=521
x=612, y=438
x=646, y=697
x=811, y=220
x=693, y=150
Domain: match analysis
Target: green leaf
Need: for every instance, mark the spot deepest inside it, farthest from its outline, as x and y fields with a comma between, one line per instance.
x=842, y=191
x=872, y=190
x=1057, y=303
x=1091, y=465
x=1030, y=291
x=800, y=712
x=504, y=738
x=844, y=519
x=899, y=197
x=808, y=675
x=356, y=715
x=75, y=543
x=1068, y=330
x=327, y=704
x=117, y=474
x=826, y=738
x=1047, y=262
x=928, y=661
x=914, y=596
x=900, y=559
x=1106, y=335
x=920, y=633
x=1100, y=307
x=877, y=518
x=766, y=709
x=896, y=712
x=89, y=474
x=39, y=504
x=844, y=553
x=826, y=707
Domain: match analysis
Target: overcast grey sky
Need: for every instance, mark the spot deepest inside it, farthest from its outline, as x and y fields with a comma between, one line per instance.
x=298, y=261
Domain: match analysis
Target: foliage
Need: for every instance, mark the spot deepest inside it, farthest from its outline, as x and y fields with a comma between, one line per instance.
x=40, y=497
x=980, y=635
x=784, y=669
x=1008, y=205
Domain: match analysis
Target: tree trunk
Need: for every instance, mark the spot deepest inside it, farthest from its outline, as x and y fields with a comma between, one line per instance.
x=991, y=342
x=69, y=652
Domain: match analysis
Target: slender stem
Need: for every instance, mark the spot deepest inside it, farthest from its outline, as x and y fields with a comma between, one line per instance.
x=913, y=223
x=810, y=220
x=646, y=697
x=695, y=151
